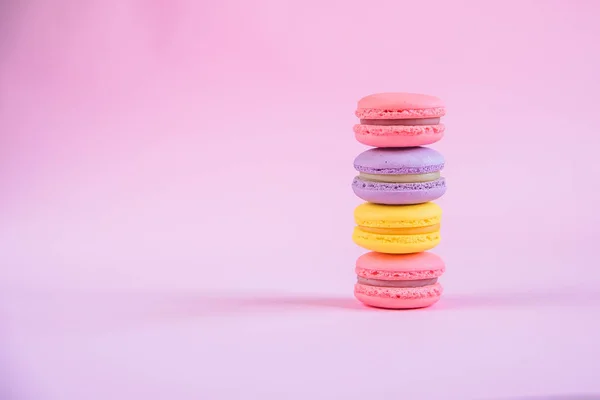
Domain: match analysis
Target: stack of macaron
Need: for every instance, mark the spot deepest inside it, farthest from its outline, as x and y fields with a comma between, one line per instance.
x=398, y=178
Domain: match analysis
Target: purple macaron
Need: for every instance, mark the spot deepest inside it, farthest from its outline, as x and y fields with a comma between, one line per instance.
x=408, y=175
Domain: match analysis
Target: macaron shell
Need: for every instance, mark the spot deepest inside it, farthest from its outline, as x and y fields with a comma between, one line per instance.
x=412, y=160
x=403, y=267
x=398, y=135
x=389, y=216
x=399, y=106
x=400, y=101
x=398, y=275
x=426, y=261
x=395, y=244
x=398, y=298
x=399, y=193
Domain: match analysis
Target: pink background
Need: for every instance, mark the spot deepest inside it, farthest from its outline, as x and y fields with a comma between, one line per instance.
x=176, y=205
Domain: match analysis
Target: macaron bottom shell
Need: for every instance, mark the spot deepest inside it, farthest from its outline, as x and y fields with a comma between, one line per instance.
x=398, y=298
x=398, y=136
x=398, y=193
x=395, y=244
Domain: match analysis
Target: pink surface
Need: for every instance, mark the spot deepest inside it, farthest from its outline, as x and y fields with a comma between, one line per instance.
x=398, y=135
x=153, y=246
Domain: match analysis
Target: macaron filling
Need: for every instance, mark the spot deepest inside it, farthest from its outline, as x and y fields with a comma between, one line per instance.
x=400, y=178
x=396, y=283
x=401, y=231
x=411, y=121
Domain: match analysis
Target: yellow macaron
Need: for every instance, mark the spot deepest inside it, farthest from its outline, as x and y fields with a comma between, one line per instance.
x=397, y=229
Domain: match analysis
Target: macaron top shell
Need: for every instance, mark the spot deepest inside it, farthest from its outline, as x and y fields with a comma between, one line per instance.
x=400, y=106
x=391, y=216
x=404, y=262
x=407, y=160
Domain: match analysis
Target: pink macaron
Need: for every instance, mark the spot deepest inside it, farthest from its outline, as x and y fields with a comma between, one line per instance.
x=398, y=281
x=399, y=120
